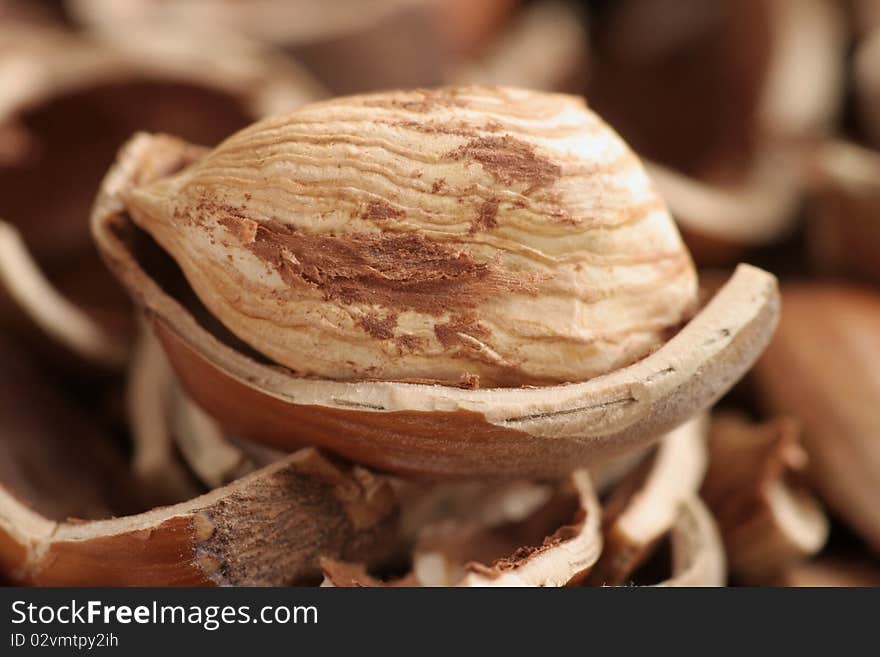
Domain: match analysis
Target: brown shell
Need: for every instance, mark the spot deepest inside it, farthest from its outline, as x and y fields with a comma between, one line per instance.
x=457, y=552
x=508, y=555
x=554, y=544
x=267, y=529
x=720, y=223
x=167, y=428
x=769, y=519
x=697, y=552
x=821, y=368
x=645, y=506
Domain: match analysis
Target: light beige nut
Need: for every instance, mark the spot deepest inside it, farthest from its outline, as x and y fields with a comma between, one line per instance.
x=437, y=235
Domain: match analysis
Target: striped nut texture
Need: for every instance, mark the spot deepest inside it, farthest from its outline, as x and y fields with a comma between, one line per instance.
x=470, y=235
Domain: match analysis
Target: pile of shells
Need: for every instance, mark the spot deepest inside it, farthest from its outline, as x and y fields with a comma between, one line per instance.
x=375, y=297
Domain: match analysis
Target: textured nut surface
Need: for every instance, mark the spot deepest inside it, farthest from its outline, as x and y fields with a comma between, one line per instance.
x=432, y=234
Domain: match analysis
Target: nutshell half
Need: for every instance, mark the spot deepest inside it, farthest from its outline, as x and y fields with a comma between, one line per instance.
x=372, y=260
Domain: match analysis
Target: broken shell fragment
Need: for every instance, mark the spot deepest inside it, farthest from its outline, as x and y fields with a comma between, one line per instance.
x=204, y=447
x=267, y=529
x=174, y=442
x=644, y=507
x=478, y=503
x=697, y=552
x=700, y=94
x=821, y=368
x=66, y=498
x=154, y=460
x=769, y=520
x=522, y=553
x=456, y=552
x=653, y=56
x=804, y=88
x=29, y=297
x=415, y=428
x=689, y=554
x=554, y=544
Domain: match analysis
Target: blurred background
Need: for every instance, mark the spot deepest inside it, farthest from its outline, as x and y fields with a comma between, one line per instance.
x=759, y=121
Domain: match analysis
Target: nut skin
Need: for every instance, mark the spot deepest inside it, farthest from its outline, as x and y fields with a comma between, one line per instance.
x=469, y=234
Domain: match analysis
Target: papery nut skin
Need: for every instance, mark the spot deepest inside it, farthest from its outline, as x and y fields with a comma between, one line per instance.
x=473, y=236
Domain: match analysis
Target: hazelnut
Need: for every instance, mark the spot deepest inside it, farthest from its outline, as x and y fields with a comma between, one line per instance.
x=304, y=295
x=438, y=235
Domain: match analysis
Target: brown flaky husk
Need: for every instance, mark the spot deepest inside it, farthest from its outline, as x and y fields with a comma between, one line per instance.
x=553, y=543
x=350, y=45
x=434, y=430
x=821, y=368
x=268, y=529
x=644, y=507
x=772, y=70
x=768, y=518
x=67, y=103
